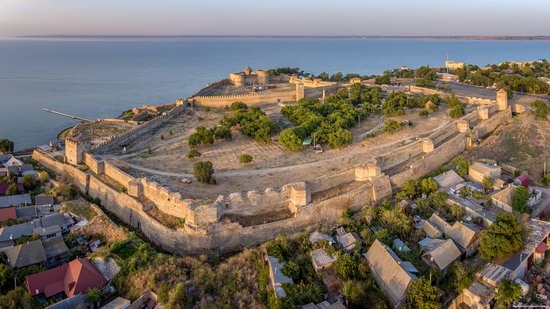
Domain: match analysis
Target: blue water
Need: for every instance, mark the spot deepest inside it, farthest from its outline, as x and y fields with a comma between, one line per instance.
x=100, y=78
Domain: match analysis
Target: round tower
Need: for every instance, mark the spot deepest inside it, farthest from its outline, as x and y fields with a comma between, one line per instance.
x=247, y=70
x=237, y=79
x=502, y=99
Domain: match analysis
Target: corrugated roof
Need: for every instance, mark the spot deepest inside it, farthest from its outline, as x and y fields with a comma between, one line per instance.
x=321, y=258
x=54, y=246
x=504, y=195
x=26, y=254
x=388, y=272
x=448, y=179
x=430, y=230
x=440, y=223
x=443, y=255
x=15, y=200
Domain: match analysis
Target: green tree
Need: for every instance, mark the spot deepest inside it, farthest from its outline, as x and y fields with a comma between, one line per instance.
x=428, y=185
x=488, y=183
x=290, y=140
x=6, y=278
x=397, y=221
x=422, y=295
x=301, y=293
x=65, y=191
x=391, y=126
x=279, y=247
x=540, y=108
x=354, y=292
x=204, y=172
x=501, y=238
x=238, y=106
x=346, y=266
x=384, y=79
x=245, y=158
x=43, y=177
x=6, y=146
x=520, y=199
x=384, y=235
x=546, y=179
x=410, y=188
x=339, y=138
x=202, y=136
x=193, y=153
x=12, y=189
x=507, y=292
x=462, y=166
x=222, y=132
x=291, y=269
x=16, y=299
x=94, y=295
x=29, y=182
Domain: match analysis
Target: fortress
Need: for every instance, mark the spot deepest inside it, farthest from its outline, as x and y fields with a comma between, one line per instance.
x=230, y=222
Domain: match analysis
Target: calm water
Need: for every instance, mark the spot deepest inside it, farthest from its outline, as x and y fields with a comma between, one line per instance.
x=100, y=78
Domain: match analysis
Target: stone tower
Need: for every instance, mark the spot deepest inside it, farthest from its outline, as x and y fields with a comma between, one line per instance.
x=300, y=92
x=263, y=77
x=502, y=99
x=75, y=146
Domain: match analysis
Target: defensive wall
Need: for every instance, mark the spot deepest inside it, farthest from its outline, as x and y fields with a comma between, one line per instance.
x=320, y=201
x=250, y=99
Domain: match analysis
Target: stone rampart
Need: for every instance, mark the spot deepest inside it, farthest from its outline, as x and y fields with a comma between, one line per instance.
x=76, y=176
x=117, y=174
x=400, y=155
x=208, y=89
x=167, y=201
x=487, y=126
x=330, y=181
x=250, y=99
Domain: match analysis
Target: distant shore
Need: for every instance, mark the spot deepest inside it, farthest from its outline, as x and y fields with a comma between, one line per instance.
x=466, y=37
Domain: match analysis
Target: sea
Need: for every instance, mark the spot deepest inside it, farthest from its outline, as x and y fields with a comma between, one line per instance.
x=99, y=78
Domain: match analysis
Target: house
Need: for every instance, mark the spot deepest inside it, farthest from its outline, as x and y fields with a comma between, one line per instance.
x=474, y=210
x=391, y=274
x=522, y=180
x=479, y=170
x=27, y=254
x=440, y=223
x=277, y=277
x=22, y=170
x=448, y=179
x=34, y=212
x=316, y=237
x=521, y=262
x=43, y=199
x=400, y=246
x=56, y=251
x=7, y=160
x=321, y=260
x=465, y=236
x=64, y=221
x=48, y=232
x=347, y=241
x=8, y=214
x=428, y=243
x=431, y=230
x=442, y=256
x=482, y=290
x=503, y=198
x=68, y=279
x=79, y=301
x=325, y=305
x=9, y=234
x=48, y=252
x=118, y=303
x=15, y=200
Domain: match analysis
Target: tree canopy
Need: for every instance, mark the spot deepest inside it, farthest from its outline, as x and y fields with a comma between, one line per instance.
x=507, y=292
x=204, y=172
x=6, y=146
x=422, y=295
x=540, y=108
x=501, y=238
x=520, y=198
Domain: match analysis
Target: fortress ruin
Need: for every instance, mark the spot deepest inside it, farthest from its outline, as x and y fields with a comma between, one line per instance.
x=232, y=221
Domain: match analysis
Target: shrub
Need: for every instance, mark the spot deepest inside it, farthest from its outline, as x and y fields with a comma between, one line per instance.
x=540, y=108
x=245, y=158
x=6, y=145
x=193, y=153
x=200, y=137
x=12, y=189
x=29, y=182
x=204, y=172
x=65, y=191
x=391, y=126
x=222, y=132
x=423, y=113
x=43, y=177
x=339, y=138
x=238, y=106
x=290, y=140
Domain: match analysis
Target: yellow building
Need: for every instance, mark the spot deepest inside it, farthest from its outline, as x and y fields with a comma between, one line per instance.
x=479, y=170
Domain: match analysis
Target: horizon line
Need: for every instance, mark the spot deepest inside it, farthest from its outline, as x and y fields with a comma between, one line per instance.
x=160, y=36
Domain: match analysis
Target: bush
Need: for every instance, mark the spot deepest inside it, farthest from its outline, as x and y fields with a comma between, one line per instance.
x=290, y=140
x=6, y=145
x=423, y=113
x=204, y=172
x=43, y=177
x=245, y=158
x=238, y=106
x=193, y=153
x=339, y=138
x=391, y=126
x=12, y=189
x=222, y=132
x=540, y=108
x=202, y=136
x=65, y=191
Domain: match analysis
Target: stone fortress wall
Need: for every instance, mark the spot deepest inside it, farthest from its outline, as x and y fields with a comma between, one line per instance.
x=311, y=203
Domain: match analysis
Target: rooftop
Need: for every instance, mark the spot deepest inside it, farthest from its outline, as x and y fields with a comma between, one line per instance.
x=442, y=255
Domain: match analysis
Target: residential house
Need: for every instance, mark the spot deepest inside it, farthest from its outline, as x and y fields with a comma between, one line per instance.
x=465, y=236
x=347, y=240
x=428, y=244
x=479, y=170
x=391, y=274
x=431, y=230
x=9, y=234
x=34, y=212
x=521, y=262
x=448, y=179
x=482, y=290
x=15, y=200
x=69, y=279
x=43, y=199
x=79, y=301
x=48, y=252
x=7, y=160
x=522, y=180
x=47, y=227
x=316, y=237
x=474, y=210
x=22, y=170
x=503, y=198
x=442, y=256
x=321, y=260
x=27, y=254
x=8, y=214
x=277, y=277
x=325, y=305
x=64, y=221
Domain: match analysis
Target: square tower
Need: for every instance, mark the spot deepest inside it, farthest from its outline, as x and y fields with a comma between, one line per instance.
x=75, y=147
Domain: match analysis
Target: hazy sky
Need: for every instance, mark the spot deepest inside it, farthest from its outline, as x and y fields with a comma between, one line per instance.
x=275, y=17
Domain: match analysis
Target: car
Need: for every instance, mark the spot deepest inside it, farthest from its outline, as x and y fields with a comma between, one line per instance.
x=318, y=149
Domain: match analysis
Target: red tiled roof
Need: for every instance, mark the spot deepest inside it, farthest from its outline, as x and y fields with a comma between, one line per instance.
x=541, y=247
x=7, y=213
x=73, y=278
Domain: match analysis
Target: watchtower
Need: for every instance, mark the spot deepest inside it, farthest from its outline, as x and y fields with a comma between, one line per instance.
x=75, y=147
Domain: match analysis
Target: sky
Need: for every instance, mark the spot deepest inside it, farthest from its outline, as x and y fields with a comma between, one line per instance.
x=274, y=17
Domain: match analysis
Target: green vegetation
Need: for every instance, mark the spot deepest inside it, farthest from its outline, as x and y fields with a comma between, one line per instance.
x=391, y=126
x=423, y=113
x=383, y=80
x=456, y=108
x=462, y=166
x=204, y=172
x=425, y=77
x=422, y=294
x=245, y=158
x=6, y=146
x=546, y=179
x=507, y=292
x=65, y=191
x=501, y=238
x=290, y=139
x=283, y=70
x=520, y=199
x=193, y=153
x=540, y=108
x=16, y=299
x=202, y=136
x=252, y=122
x=43, y=177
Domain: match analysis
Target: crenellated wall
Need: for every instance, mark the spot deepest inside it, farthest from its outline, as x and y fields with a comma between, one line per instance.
x=250, y=99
